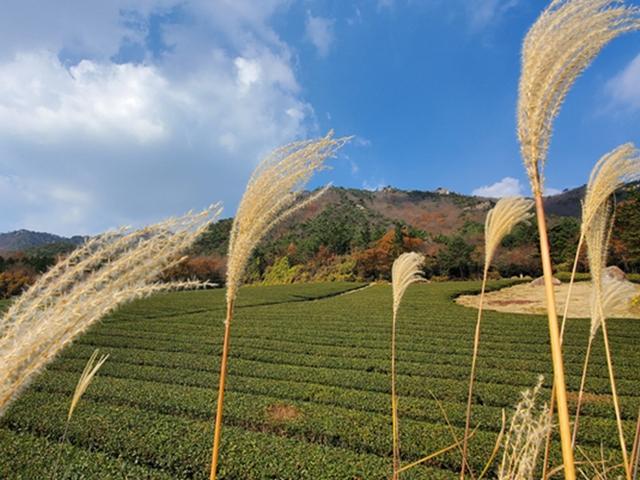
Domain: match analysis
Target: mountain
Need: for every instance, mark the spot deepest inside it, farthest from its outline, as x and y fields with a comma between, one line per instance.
x=22, y=240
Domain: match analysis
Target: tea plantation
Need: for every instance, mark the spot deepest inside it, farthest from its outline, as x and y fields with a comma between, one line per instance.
x=308, y=387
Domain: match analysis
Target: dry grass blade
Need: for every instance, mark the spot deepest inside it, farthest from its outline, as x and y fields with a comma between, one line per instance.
x=104, y=273
x=405, y=271
x=90, y=370
x=500, y=221
x=272, y=194
x=561, y=44
x=528, y=428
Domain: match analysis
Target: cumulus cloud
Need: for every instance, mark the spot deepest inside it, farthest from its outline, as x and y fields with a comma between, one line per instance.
x=320, y=32
x=507, y=187
x=624, y=88
x=91, y=139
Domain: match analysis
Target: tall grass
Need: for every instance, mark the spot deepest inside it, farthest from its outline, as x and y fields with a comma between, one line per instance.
x=105, y=272
x=527, y=430
x=500, y=221
x=611, y=172
x=272, y=194
x=405, y=271
x=606, y=295
x=564, y=40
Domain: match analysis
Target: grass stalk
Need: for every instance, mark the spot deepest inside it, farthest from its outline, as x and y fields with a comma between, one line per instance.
x=221, y=386
x=576, y=421
x=476, y=344
x=394, y=404
x=556, y=345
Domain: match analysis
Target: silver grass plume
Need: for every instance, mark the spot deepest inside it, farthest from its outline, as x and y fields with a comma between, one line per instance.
x=105, y=272
x=271, y=195
x=501, y=219
x=528, y=428
x=611, y=172
x=597, y=240
x=613, y=295
x=90, y=370
x=405, y=271
x=558, y=48
x=597, y=237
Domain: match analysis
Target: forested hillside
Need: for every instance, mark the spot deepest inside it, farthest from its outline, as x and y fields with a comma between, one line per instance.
x=351, y=234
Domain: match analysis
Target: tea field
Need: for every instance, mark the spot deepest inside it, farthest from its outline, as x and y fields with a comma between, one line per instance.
x=308, y=387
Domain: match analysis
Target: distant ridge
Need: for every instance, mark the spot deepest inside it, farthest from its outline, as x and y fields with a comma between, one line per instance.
x=439, y=212
x=21, y=240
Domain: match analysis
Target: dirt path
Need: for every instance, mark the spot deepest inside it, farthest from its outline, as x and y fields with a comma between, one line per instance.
x=529, y=299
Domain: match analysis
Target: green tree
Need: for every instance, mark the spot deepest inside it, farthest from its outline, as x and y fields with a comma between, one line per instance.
x=626, y=233
x=455, y=259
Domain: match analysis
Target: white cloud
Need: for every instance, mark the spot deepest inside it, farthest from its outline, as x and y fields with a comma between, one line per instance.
x=94, y=143
x=624, y=88
x=507, y=187
x=319, y=30
x=385, y=4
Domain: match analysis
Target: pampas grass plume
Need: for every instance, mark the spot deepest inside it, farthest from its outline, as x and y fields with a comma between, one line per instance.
x=107, y=271
x=559, y=46
x=90, y=370
x=405, y=271
x=272, y=194
x=501, y=219
x=528, y=428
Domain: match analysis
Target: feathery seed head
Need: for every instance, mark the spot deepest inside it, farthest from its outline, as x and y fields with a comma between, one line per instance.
x=567, y=36
x=611, y=296
x=405, y=271
x=529, y=426
x=271, y=195
x=501, y=219
x=97, y=277
x=90, y=370
x=611, y=172
x=597, y=239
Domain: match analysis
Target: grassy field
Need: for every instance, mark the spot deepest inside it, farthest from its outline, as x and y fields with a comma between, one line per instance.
x=308, y=386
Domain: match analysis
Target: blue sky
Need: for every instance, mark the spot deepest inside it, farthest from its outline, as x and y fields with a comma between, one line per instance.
x=127, y=111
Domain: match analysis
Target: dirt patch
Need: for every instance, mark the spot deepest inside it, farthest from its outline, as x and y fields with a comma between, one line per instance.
x=526, y=298
x=281, y=412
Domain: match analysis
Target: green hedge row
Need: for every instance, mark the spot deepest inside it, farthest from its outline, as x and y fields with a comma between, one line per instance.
x=181, y=446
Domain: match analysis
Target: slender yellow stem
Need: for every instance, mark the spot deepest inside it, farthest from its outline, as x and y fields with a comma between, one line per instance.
x=556, y=346
x=565, y=315
x=476, y=344
x=394, y=404
x=574, y=271
x=496, y=447
x=583, y=379
x=223, y=376
x=616, y=403
x=434, y=454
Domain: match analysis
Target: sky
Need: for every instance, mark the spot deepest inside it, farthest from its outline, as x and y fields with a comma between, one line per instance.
x=127, y=111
